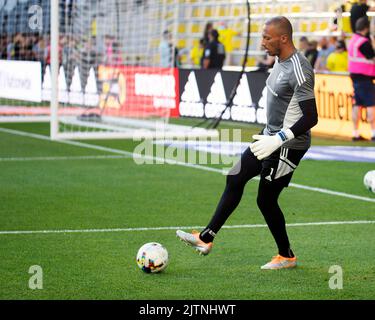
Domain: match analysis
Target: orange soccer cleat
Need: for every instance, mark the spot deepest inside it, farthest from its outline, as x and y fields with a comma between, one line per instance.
x=280, y=262
x=192, y=239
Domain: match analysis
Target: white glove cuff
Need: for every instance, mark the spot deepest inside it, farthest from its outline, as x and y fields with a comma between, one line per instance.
x=285, y=135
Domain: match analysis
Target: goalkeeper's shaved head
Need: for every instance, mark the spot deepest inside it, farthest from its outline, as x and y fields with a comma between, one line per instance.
x=282, y=25
x=277, y=37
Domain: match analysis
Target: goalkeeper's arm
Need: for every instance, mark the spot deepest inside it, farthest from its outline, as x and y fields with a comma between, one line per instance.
x=309, y=118
x=268, y=144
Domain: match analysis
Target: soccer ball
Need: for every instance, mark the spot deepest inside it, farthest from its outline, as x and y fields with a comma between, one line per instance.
x=152, y=257
x=369, y=180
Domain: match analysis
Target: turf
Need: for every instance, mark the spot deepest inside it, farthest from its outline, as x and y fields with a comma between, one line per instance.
x=105, y=193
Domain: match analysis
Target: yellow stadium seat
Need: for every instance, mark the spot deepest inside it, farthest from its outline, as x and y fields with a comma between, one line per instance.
x=181, y=43
x=254, y=27
x=195, y=28
x=296, y=8
x=303, y=27
x=236, y=44
x=222, y=12
x=240, y=27
x=323, y=25
x=284, y=9
x=181, y=28
x=169, y=15
x=155, y=43
x=195, y=43
x=196, y=12
x=236, y=11
x=208, y=12
x=251, y=62
x=313, y=26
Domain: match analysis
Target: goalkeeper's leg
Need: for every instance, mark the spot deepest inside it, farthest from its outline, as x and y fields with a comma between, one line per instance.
x=276, y=175
x=267, y=201
x=248, y=167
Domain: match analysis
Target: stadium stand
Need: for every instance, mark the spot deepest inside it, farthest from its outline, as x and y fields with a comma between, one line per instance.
x=310, y=19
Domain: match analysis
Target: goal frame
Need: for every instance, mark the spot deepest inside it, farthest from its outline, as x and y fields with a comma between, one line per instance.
x=159, y=131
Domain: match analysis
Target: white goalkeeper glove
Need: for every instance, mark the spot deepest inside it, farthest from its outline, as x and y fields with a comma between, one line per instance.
x=268, y=144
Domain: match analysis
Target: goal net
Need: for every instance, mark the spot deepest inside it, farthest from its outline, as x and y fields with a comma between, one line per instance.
x=94, y=69
x=117, y=73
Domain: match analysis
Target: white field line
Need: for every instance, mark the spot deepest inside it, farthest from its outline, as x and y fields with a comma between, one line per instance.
x=73, y=143
x=12, y=159
x=184, y=164
x=244, y=226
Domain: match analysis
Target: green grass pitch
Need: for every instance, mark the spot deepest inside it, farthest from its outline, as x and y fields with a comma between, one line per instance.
x=55, y=186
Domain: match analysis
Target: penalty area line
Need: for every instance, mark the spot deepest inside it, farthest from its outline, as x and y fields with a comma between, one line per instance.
x=243, y=226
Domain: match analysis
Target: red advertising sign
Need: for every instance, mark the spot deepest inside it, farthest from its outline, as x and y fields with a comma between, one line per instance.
x=139, y=91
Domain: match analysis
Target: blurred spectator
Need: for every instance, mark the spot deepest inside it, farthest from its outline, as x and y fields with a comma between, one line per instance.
x=108, y=44
x=323, y=53
x=169, y=55
x=214, y=52
x=226, y=35
x=337, y=61
x=27, y=49
x=10, y=47
x=362, y=73
x=312, y=52
x=39, y=50
x=341, y=23
x=358, y=11
x=332, y=42
x=338, y=18
x=15, y=48
x=178, y=57
x=116, y=53
x=303, y=45
x=3, y=47
x=165, y=50
x=196, y=53
x=207, y=29
x=48, y=51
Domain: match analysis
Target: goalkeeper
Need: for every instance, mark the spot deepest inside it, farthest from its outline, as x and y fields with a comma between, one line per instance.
x=276, y=152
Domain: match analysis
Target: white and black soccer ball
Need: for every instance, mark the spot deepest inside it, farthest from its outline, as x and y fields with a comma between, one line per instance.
x=152, y=257
x=369, y=180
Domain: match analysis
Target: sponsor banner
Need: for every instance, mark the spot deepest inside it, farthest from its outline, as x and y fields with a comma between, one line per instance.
x=139, y=91
x=75, y=95
x=204, y=93
x=334, y=98
x=21, y=80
